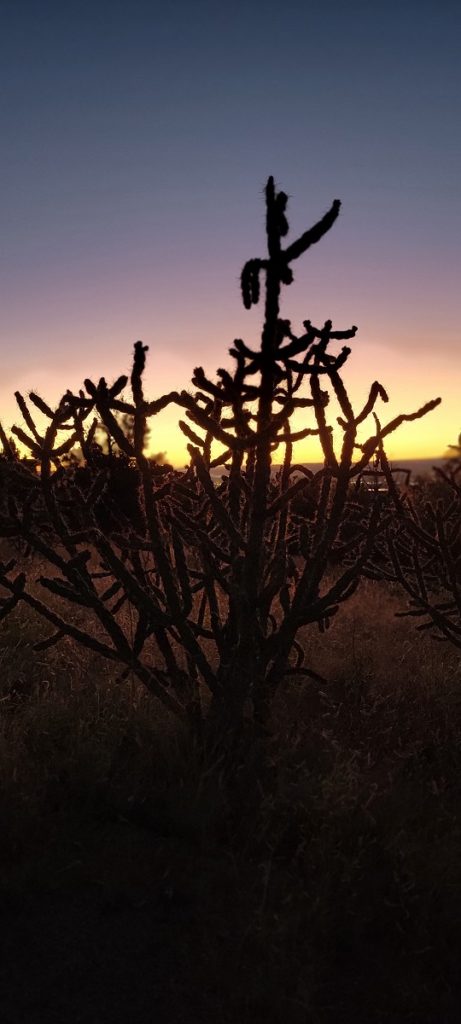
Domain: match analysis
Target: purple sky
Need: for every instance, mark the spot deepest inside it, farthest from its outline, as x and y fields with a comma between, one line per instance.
x=136, y=140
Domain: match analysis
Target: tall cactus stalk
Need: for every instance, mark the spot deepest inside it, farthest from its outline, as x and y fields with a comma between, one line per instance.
x=220, y=580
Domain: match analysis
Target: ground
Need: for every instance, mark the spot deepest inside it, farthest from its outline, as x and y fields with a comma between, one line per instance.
x=323, y=887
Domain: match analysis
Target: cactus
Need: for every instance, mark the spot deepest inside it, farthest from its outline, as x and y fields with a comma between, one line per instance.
x=220, y=579
x=420, y=551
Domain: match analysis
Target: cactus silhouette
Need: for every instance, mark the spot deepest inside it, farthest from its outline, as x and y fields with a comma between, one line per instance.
x=220, y=579
x=420, y=550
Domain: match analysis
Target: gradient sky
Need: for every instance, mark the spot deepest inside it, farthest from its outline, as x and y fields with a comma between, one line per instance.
x=136, y=140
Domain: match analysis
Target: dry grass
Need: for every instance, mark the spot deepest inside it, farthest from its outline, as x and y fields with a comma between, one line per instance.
x=325, y=887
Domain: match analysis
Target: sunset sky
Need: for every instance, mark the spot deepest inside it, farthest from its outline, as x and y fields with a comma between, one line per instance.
x=136, y=140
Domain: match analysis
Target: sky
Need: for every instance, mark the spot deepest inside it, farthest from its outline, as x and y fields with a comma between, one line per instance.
x=137, y=138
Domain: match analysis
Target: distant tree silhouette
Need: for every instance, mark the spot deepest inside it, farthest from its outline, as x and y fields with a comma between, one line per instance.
x=10, y=451
x=455, y=450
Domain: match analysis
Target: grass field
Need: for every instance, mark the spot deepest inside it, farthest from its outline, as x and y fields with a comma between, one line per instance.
x=323, y=885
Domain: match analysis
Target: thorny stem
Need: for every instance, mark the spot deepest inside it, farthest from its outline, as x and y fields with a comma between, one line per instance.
x=232, y=572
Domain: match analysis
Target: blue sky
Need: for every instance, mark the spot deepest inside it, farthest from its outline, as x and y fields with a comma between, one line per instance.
x=137, y=138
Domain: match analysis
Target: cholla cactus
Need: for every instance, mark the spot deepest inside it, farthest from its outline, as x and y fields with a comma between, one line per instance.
x=420, y=549
x=220, y=579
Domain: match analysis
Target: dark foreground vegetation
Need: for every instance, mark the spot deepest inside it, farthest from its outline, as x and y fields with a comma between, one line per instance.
x=229, y=773
x=219, y=581
x=324, y=886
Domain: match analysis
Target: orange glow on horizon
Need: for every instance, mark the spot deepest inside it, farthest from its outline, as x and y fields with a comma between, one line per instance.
x=409, y=386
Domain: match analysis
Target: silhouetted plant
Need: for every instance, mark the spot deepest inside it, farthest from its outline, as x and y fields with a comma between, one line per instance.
x=220, y=579
x=420, y=550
